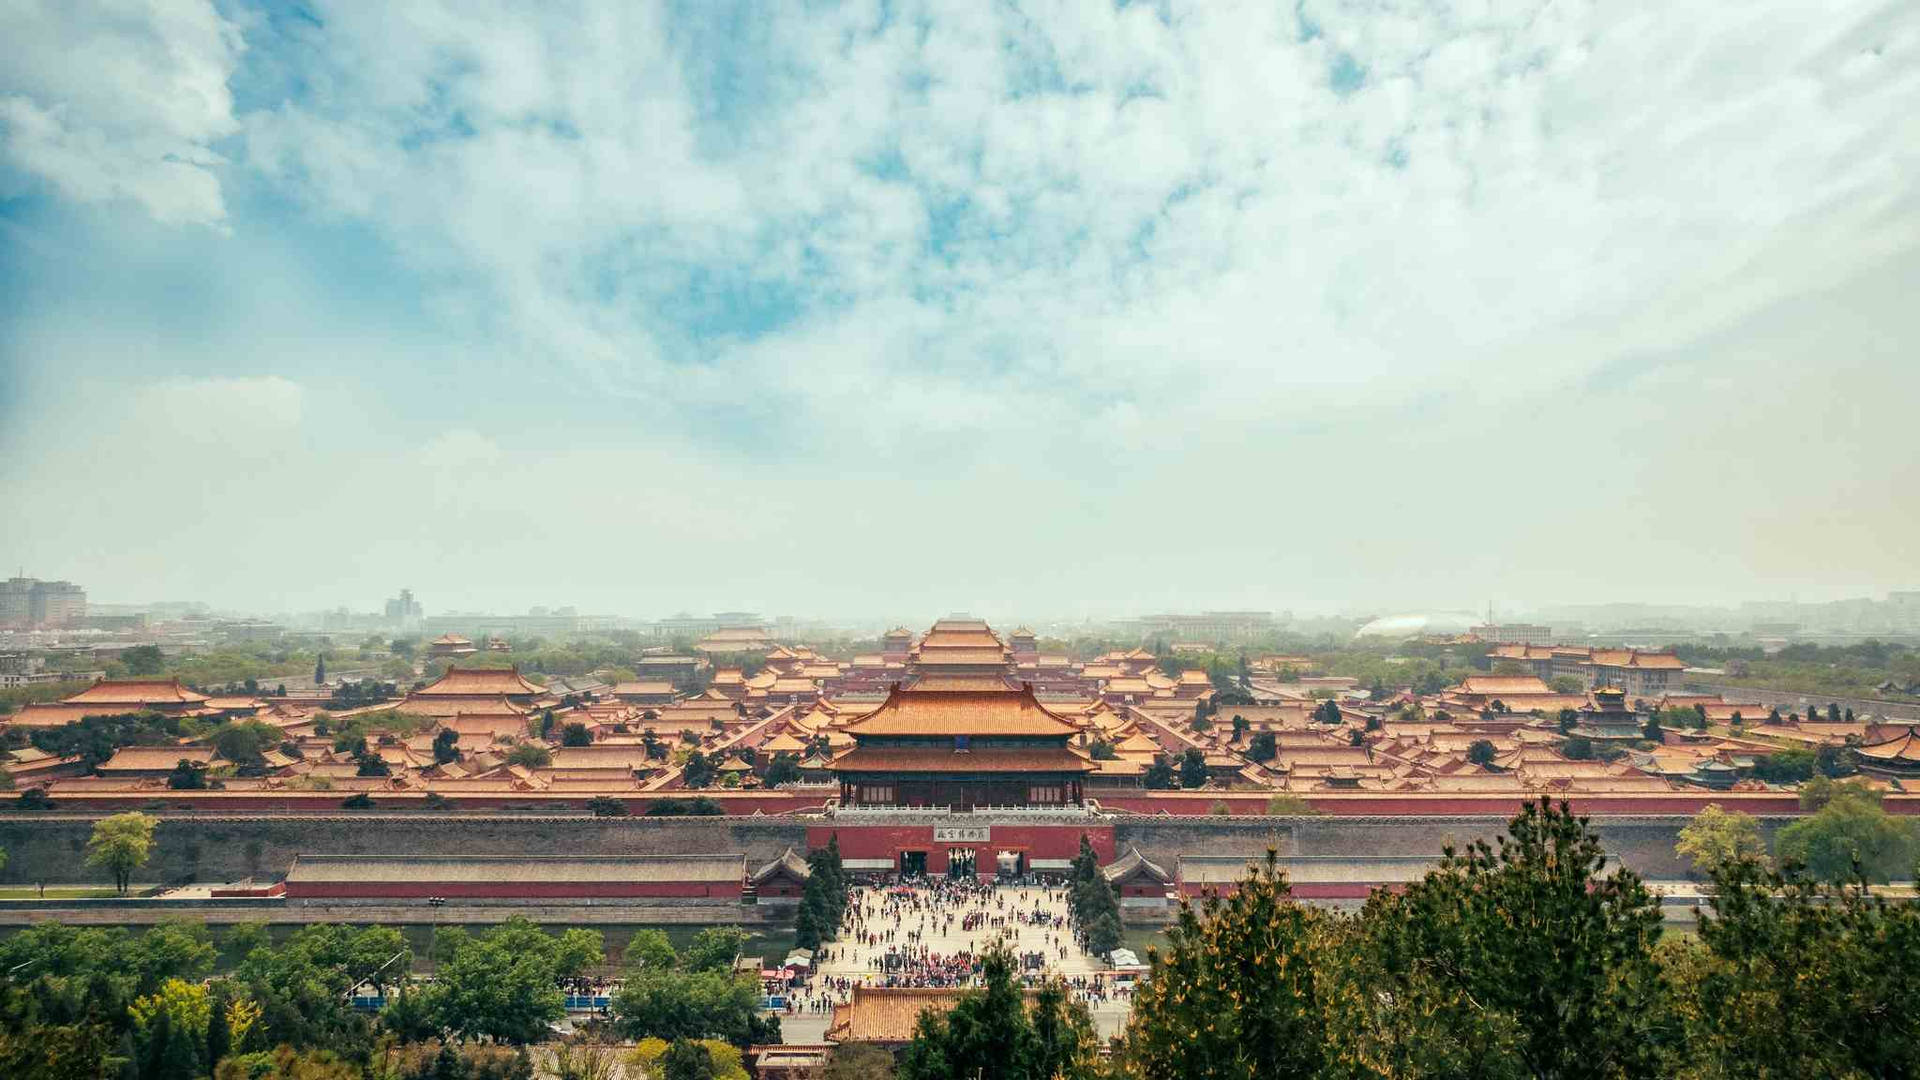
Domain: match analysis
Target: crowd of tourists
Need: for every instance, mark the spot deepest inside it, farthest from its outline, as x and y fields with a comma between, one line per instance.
x=933, y=933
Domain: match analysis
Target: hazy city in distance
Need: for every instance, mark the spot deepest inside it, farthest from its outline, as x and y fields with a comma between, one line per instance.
x=939, y=540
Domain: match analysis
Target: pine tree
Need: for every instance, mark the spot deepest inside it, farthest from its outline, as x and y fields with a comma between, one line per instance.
x=320, y=670
x=806, y=923
x=154, y=1061
x=219, y=1035
x=448, y=1065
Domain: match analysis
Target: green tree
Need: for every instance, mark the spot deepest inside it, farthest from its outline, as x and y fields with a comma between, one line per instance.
x=1717, y=838
x=714, y=949
x=530, y=755
x=444, y=750
x=186, y=776
x=698, y=772
x=61, y=1052
x=809, y=922
x=783, y=769
x=1193, y=768
x=1235, y=996
x=1263, y=748
x=576, y=734
x=607, y=806
x=993, y=1034
x=1159, y=776
x=1785, y=766
x=1542, y=966
x=408, y=1016
x=1803, y=979
x=686, y=1059
x=1851, y=831
x=1091, y=901
x=674, y=1004
x=245, y=744
x=649, y=950
x=320, y=670
x=143, y=660
x=1481, y=753
x=503, y=984
x=303, y=987
x=122, y=844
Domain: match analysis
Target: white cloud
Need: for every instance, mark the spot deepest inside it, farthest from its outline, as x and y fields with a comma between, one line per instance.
x=1115, y=272
x=1121, y=199
x=120, y=100
x=236, y=412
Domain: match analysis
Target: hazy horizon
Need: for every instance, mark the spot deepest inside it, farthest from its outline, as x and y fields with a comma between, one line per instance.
x=646, y=309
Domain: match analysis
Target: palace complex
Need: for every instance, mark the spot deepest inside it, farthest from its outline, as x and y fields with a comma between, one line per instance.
x=959, y=720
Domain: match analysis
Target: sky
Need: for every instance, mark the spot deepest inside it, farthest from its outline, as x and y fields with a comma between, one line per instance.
x=1074, y=308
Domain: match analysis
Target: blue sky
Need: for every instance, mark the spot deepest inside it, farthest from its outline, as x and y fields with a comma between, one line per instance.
x=1060, y=308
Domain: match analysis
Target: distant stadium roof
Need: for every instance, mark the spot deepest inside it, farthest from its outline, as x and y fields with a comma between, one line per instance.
x=1414, y=625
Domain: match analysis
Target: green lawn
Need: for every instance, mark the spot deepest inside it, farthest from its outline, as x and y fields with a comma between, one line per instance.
x=59, y=892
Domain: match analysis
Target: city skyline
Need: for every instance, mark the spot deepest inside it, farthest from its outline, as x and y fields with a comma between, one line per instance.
x=405, y=610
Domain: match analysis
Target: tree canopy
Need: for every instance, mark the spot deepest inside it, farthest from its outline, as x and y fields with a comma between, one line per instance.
x=997, y=1033
x=122, y=844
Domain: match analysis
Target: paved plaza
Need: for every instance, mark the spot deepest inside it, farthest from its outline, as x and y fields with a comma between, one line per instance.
x=928, y=934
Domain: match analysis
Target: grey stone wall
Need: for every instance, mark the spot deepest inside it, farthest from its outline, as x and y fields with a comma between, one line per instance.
x=225, y=849
x=1643, y=844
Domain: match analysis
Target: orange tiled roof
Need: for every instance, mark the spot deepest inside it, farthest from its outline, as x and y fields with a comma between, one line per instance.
x=137, y=692
x=941, y=681
x=969, y=656
x=886, y=1014
x=152, y=758
x=48, y=715
x=1903, y=747
x=476, y=682
x=1504, y=684
x=962, y=712
x=999, y=759
x=644, y=686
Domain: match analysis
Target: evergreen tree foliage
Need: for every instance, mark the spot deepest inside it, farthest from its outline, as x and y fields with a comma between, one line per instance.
x=1235, y=995
x=1193, y=768
x=1092, y=902
x=995, y=1033
x=1801, y=979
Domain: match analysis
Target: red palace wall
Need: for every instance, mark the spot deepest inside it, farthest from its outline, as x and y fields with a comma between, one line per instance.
x=769, y=803
x=1035, y=841
x=333, y=890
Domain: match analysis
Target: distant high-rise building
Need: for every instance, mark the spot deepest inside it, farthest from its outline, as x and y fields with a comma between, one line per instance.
x=1521, y=633
x=16, y=601
x=404, y=611
x=26, y=602
x=1905, y=609
x=58, y=603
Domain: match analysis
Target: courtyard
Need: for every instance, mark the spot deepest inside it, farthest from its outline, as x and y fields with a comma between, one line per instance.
x=925, y=934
